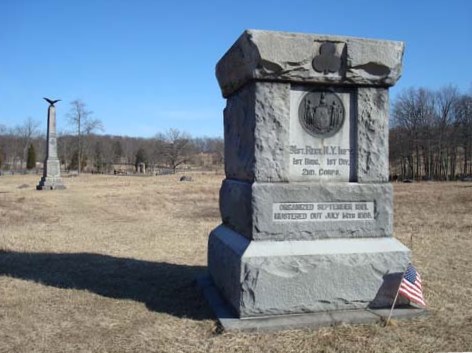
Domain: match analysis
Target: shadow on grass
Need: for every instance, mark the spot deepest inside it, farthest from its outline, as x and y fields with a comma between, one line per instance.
x=163, y=287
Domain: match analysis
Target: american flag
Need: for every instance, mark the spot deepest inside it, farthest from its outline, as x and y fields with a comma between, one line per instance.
x=410, y=286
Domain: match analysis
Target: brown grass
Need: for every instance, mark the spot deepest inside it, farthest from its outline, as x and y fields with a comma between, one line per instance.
x=108, y=266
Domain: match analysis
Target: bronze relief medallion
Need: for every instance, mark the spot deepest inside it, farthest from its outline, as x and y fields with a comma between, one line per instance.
x=321, y=113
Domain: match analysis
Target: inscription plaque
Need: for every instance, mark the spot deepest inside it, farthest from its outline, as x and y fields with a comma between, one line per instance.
x=320, y=138
x=323, y=211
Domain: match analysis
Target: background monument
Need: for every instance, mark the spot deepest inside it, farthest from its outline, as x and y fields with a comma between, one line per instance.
x=51, y=179
x=306, y=205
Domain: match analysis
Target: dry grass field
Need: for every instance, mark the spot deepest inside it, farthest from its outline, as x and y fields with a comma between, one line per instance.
x=108, y=265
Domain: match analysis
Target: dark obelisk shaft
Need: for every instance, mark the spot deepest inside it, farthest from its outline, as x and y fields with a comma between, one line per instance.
x=52, y=169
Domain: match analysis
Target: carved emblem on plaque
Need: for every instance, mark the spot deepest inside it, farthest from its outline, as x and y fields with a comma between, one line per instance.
x=321, y=113
x=327, y=61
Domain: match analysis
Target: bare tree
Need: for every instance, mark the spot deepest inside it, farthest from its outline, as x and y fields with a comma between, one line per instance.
x=82, y=120
x=463, y=114
x=3, y=131
x=175, y=147
x=64, y=147
x=445, y=99
x=25, y=133
x=431, y=133
x=217, y=146
x=413, y=112
x=117, y=151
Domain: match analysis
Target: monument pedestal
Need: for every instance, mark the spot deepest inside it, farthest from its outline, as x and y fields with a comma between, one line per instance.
x=230, y=321
x=260, y=278
x=306, y=207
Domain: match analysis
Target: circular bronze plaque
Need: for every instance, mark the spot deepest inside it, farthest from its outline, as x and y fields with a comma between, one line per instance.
x=321, y=113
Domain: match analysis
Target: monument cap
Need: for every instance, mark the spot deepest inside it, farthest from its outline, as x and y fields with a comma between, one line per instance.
x=309, y=58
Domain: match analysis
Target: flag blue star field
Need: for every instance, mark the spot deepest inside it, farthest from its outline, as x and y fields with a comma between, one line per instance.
x=410, y=286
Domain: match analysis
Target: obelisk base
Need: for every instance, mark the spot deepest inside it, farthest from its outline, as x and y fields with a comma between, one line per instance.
x=51, y=179
x=50, y=183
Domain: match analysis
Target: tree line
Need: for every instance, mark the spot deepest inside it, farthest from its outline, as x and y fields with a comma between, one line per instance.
x=431, y=134
x=85, y=149
x=430, y=139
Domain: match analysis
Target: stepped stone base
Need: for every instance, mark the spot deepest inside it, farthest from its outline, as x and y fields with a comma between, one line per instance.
x=49, y=183
x=229, y=321
x=266, y=278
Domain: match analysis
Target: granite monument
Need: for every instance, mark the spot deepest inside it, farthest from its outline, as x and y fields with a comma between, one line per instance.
x=306, y=206
x=51, y=178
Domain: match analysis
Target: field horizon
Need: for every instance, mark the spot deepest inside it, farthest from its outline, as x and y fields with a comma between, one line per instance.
x=109, y=265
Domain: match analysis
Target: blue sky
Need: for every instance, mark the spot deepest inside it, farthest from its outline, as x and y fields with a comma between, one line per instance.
x=145, y=66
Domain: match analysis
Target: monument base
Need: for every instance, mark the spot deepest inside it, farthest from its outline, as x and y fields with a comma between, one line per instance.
x=229, y=321
x=267, y=278
x=48, y=183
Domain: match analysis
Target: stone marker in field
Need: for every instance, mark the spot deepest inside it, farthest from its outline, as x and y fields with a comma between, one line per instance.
x=51, y=179
x=141, y=168
x=306, y=205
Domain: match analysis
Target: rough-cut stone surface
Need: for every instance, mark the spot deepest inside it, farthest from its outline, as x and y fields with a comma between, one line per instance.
x=374, y=62
x=281, y=56
x=224, y=261
x=239, y=126
x=236, y=206
x=230, y=321
x=272, y=116
x=372, y=135
x=247, y=208
x=256, y=121
x=273, y=278
x=257, y=133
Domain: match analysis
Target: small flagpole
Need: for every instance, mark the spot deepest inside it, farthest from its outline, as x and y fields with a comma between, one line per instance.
x=395, y=300
x=393, y=305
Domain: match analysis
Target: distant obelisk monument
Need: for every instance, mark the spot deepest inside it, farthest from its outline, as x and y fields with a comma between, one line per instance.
x=51, y=179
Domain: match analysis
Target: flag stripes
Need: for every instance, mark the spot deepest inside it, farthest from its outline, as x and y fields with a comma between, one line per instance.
x=410, y=286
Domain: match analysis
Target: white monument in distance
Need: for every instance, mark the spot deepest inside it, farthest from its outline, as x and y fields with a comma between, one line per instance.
x=51, y=179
